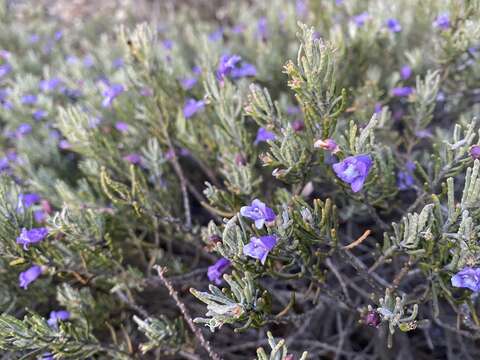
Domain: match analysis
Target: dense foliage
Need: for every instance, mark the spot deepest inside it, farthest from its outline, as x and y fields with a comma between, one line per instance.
x=232, y=179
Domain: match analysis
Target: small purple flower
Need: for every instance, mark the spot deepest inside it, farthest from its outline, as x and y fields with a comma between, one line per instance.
x=475, y=152
x=188, y=82
x=377, y=108
x=442, y=21
x=122, y=126
x=216, y=270
x=50, y=85
x=258, y=248
x=28, y=276
x=39, y=215
x=23, y=129
x=402, y=91
x=55, y=316
x=226, y=64
x=29, y=199
x=327, y=144
x=216, y=35
x=405, y=72
x=58, y=35
x=32, y=236
x=28, y=99
x=4, y=54
x=361, y=19
x=354, y=170
x=262, y=28
x=133, y=158
x=239, y=28
x=5, y=69
x=264, y=135
x=244, y=70
x=405, y=179
x=192, y=106
x=46, y=356
x=298, y=125
x=34, y=38
x=110, y=93
x=168, y=44
x=64, y=144
x=39, y=114
x=88, y=61
x=258, y=212
x=393, y=25
x=301, y=8
x=373, y=319
x=467, y=278
x=117, y=63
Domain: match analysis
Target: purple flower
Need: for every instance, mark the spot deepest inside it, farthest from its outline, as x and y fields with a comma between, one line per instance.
x=378, y=108
x=405, y=72
x=258, y=248
x=226, y=64
x=121, y=126
x=188, y=82
x=39, y=215
x=354, y=170
x=264, y=135
x=28, y=99
x=262, y=29
x=298, y=125
x=5, y=69
x=64, y=144
x=467, y=278
x=393, y=25
x=32, y=236
x=327, y=144
x=133, y=158
x=402, y=91
x=28, y=276
x=117, y=63
x=301, y=8
x=258, y=212
x=216, y=35
x=244, y=70
x=29, y=199
x=361, y=19
x=168, y=44
x=110, y=93
x=442, y=21
x=55, y=316
x=23, y=129
x=192, y=106
x=88, y=61
x=405, y=179
x=50, y=85
x=34, y=38
x=239, y=28
x=216, y=270
x=373, y=319
x=39, y=114
x=4, y=54
x=46, y=356
x=475, y=152
x=58, y=35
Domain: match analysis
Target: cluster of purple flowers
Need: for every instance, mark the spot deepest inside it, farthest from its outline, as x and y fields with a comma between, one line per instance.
x=232, y=66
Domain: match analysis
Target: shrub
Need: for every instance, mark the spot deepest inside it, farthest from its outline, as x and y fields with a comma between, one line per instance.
x=301, y=173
